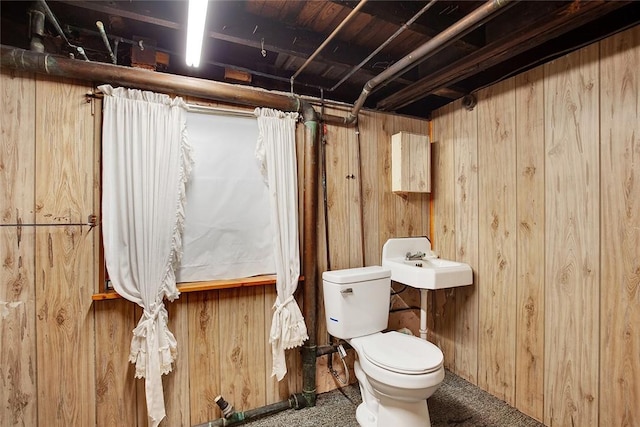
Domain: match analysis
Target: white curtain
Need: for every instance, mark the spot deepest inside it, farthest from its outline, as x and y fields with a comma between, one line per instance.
x=146, y=163
x=276, y=152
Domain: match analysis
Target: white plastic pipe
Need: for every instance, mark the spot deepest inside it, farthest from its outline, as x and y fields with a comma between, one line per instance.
x=423, y=314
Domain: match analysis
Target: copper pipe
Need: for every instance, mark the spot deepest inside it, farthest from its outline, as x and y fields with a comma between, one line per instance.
x=139, y=78
x=36, y=25
x=328, y=39
x=439, y=42
x=385, y=44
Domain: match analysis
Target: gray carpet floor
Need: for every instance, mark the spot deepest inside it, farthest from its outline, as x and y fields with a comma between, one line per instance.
x=457, y=403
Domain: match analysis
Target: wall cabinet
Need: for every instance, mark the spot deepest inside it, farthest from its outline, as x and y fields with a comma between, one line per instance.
x=410, y=163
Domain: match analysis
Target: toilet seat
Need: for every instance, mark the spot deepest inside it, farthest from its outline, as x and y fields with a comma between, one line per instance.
x=402, y=353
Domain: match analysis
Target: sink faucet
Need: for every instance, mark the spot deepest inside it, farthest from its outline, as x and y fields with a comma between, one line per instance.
x=418, y=255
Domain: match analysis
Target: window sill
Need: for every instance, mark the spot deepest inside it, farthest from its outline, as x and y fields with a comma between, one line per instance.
x=206, y=286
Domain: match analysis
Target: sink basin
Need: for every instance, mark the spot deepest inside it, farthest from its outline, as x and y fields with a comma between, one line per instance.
x=423, y=270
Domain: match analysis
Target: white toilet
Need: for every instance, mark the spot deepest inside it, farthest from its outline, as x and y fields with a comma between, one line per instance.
x=396, y=372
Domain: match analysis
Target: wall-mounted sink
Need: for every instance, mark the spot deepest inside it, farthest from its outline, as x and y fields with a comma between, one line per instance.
x=412, y=263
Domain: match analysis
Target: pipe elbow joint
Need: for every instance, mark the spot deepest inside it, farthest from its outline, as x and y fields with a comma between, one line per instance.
x=308, y=112
x=303, y=400
x=350, y=119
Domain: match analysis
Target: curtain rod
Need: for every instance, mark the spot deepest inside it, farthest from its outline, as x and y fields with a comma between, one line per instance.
x=92, y=221
x=195, y=108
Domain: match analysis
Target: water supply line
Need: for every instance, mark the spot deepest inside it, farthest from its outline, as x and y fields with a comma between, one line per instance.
x=58, y=28
x=439, y=42
x=335, y=32
x=105, y=40
x=343, y=355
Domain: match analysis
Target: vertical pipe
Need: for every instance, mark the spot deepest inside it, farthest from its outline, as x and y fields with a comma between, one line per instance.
x=310, y=252
x=36, y=26
x=423, y=314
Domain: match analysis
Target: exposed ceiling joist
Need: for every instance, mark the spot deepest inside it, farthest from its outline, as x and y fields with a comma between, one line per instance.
x=544, y=27
x=529, y=33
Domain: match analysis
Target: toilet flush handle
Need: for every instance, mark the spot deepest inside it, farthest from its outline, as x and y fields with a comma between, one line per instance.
x=347, y=291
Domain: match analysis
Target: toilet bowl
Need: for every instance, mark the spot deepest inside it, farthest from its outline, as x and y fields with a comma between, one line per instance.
x=396, y=372
x=400, y=372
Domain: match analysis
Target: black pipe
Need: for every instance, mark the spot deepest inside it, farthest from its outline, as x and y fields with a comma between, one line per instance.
x=310, y=297
x=242, y=417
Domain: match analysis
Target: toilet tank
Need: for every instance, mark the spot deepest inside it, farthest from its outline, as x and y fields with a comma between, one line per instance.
x=356, y=301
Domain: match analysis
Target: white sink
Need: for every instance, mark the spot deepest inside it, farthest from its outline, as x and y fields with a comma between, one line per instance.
x=422, y=270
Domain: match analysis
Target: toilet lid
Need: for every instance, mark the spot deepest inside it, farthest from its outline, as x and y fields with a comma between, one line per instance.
x=402, y=353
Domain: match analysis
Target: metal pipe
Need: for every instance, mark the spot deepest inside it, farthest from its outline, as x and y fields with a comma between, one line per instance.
x=440, y=41
x=330, y=349
x=310, y=228
x=36, y=27
x=103, y=34
x=251, y=414
x=328, y=39
x=54, y=65
x=383, y=45
x=58, y=28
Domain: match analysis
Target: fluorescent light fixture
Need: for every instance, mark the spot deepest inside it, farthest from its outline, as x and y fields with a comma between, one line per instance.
x=195, y=31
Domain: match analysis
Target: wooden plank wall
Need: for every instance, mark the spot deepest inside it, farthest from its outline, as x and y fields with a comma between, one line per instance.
x=64, y=359
x=18, y=394
x=551, y=323
x=572, y=270
x=620, y=230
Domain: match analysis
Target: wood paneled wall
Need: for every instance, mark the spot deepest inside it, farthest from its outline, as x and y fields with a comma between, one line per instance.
x=64, y=358
x=538, y=189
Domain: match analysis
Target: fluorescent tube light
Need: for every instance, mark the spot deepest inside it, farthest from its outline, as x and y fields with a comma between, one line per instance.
x=195, y=31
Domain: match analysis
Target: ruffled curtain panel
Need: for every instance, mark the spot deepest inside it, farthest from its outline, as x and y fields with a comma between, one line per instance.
x=276, y=152
x=146, y=164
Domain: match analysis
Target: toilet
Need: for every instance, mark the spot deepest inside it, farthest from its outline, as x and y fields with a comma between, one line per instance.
x=396, y=372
